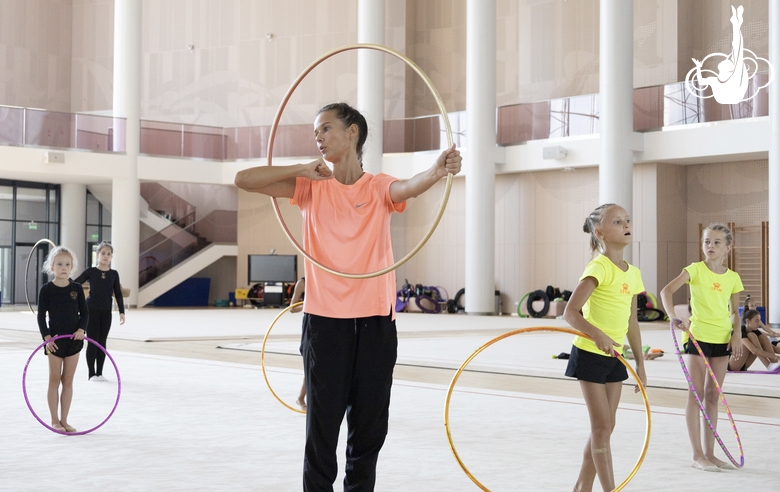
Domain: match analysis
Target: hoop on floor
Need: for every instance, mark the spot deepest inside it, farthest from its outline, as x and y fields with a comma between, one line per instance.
x=272, y=138
x=262, y=357
x=29, y=405
x=701, y=404
x=528, y=330
x=27, y=271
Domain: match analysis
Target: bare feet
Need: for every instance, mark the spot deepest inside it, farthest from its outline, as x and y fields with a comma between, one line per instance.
x=301, y=402
x=68, y=428
x=57, y=426
x=705, y=465
x=723, y=465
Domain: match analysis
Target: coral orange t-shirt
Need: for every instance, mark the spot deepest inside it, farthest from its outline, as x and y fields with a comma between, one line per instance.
x=347, y=229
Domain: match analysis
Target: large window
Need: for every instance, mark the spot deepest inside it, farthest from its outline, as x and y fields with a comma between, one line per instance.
x=28, y=212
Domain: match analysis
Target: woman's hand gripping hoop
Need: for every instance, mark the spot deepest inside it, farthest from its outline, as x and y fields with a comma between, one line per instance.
x=701, y=404
x=533, y=329
x=262, y=357
x=446, y=123
x=27, y=271
x=27, y=400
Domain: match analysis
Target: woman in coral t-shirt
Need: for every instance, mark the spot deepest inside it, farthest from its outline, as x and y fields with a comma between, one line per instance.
x=349, y=338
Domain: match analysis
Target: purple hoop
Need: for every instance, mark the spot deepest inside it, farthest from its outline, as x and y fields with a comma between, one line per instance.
x=27, y=400
x=701, y=405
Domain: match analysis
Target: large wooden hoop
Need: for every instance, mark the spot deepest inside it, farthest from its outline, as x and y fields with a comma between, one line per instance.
x=272, y=137
x=528, y=330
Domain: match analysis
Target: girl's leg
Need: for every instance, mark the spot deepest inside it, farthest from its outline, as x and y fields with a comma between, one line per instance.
x=693, y=418
x=93, y=332
x=602, y=402
x=756, y=343
x=53, y=392
x=712, y=398
x=68, y=371
x=767, y=346
x=105, y=326
x=736, y=363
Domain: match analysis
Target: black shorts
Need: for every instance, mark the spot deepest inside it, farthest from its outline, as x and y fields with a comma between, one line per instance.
x=595, y=368
x=708, y=349
x=67, y=347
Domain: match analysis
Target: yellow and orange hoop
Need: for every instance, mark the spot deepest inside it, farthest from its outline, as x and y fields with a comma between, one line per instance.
x=272, y=137
x=262, y=357
x=528, y=330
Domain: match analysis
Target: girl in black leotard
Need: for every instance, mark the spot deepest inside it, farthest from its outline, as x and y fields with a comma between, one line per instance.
x=64, y=301
x=756, y=343
x=103, y=285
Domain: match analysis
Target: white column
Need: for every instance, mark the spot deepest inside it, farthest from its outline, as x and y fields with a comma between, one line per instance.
x=479, y=163
x=774, y=166
x=616, y=85
x=371, y=81
x=126, y=189
x=73, y=222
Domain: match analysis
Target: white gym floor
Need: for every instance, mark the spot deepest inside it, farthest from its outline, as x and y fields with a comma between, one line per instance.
x=195, y=413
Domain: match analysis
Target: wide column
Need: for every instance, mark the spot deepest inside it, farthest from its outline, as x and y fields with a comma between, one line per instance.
x=479, y=163
x=371, y=81
x=616, y=85
x=774, y=167
x=126, y=189
x=73, y=228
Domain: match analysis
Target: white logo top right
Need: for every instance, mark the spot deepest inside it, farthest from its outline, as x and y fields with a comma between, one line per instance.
x=735, y=70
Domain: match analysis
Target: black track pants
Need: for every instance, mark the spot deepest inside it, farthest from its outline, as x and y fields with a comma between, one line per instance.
x=349, y=369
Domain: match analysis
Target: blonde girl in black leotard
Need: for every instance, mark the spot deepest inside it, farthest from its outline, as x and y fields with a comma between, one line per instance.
x=63, y=300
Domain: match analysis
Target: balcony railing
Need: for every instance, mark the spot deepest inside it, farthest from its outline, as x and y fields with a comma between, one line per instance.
x=36, y=127
x=209, y=142
x=654, y=108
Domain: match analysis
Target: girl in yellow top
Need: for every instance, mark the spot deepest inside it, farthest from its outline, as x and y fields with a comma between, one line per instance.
x=606, y=297
x=715, y=325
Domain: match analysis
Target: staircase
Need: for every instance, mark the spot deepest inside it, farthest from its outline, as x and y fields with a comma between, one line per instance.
x=182, y=246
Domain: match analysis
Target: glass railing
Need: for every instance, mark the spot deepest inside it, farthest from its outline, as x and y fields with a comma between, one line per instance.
x=168, y=204
x=220, y=226
x=36, y=127
x=208, y=142
x=654, y=108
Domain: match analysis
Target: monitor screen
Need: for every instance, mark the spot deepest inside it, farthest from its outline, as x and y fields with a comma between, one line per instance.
x=273, y=268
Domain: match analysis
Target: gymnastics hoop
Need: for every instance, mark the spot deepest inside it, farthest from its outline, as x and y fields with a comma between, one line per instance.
x=27, y=271
x=528, y=330
x=272, y=138
x=262, y=357
x=29, y=405
x=701, y=404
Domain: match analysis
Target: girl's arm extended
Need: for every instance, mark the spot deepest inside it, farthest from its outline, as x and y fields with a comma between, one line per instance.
x=666, y=298
x=735, y=344
x=634, y=336
x=573, y=316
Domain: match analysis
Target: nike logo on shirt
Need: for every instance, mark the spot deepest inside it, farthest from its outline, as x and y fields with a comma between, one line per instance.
x=358, y=205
